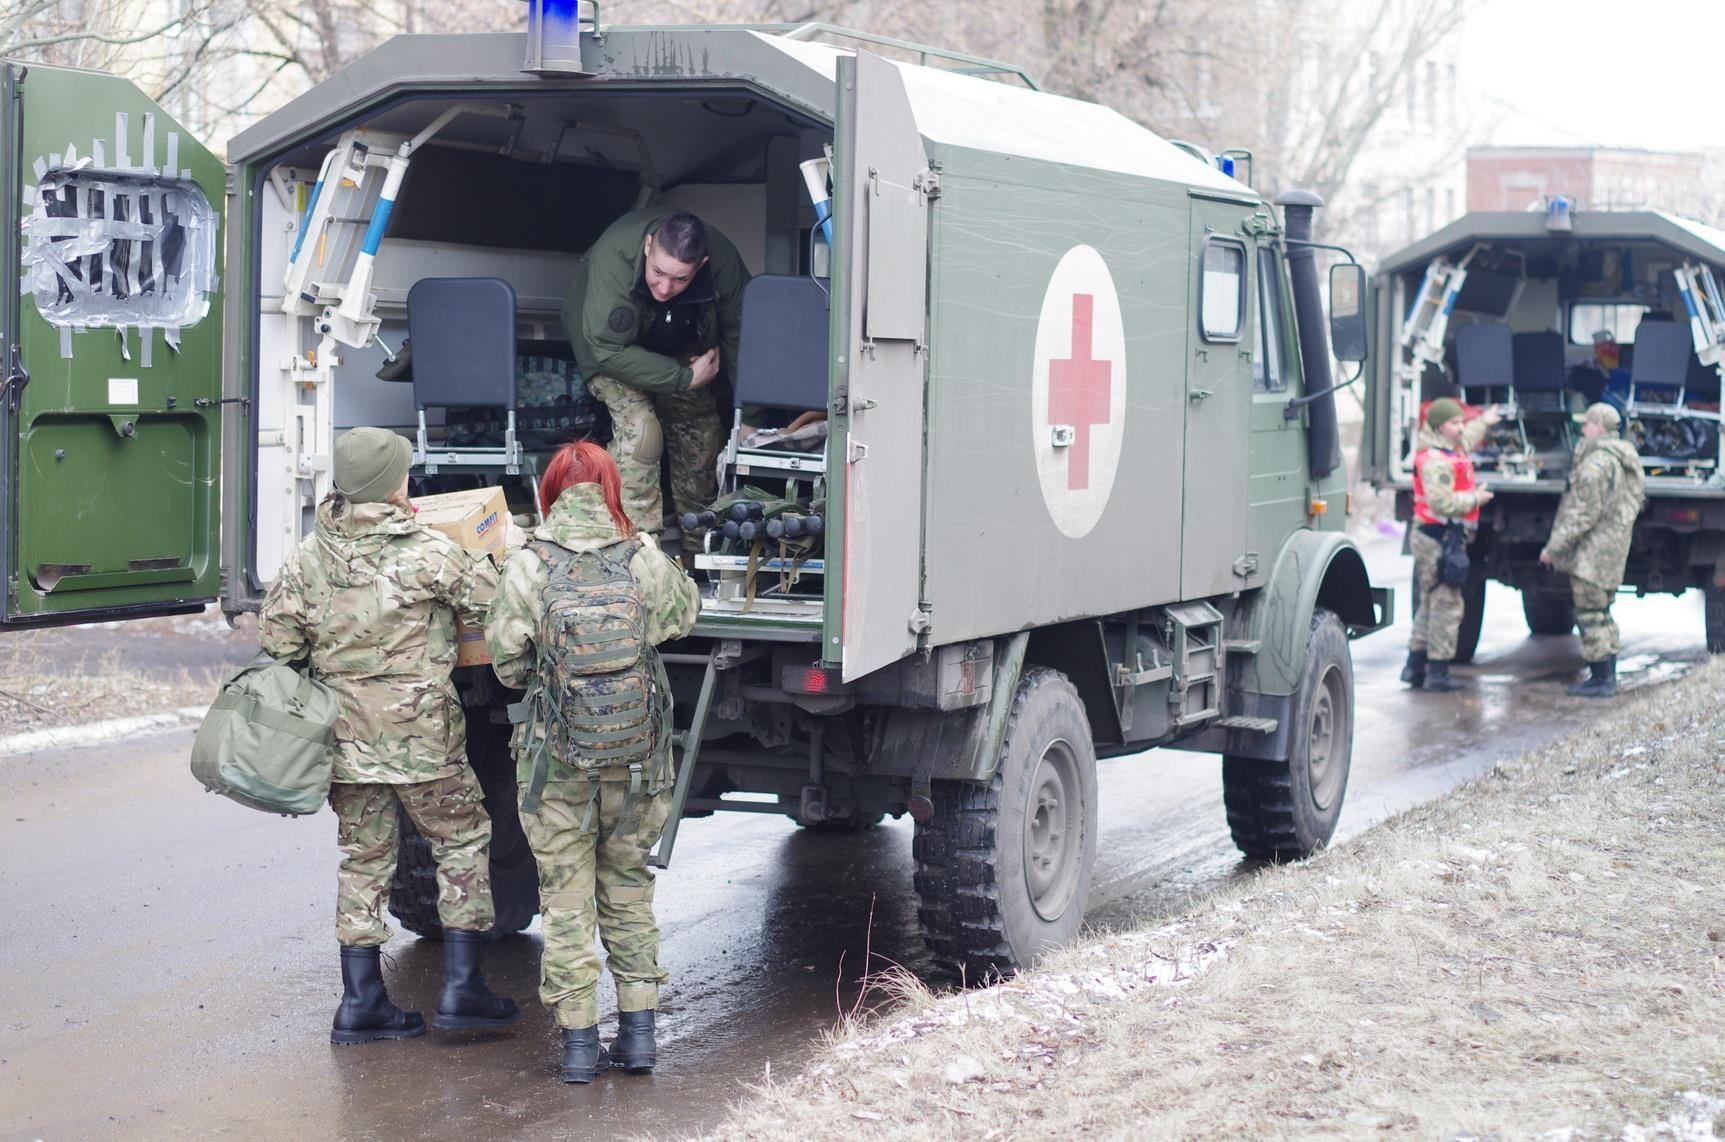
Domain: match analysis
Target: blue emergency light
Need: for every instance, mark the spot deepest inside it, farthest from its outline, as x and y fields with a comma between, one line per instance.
x=555, y=31
x=1557, y=214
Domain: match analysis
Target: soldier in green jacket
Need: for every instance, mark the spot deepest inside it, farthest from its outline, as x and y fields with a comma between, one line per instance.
x=653, y=316
x=371, y=598
x=592, y=828
x=1590, y=539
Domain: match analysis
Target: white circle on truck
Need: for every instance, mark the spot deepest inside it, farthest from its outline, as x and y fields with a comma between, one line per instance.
x=1078, y=391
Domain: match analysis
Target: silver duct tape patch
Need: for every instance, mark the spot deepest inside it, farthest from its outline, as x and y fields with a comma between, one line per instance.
x=118, y=248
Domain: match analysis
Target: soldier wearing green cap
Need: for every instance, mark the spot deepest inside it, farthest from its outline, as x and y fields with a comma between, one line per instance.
x=1445, y=493
x=1590, y=539
x=371, y=599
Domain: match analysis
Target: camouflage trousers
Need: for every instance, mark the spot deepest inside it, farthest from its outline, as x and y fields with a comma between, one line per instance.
x=644, y=428
x=450, y=813
x=1593, y=618
x=590, y=878
x=1438, y=620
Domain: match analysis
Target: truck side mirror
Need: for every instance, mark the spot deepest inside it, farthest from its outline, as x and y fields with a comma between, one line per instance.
x=1348, y=311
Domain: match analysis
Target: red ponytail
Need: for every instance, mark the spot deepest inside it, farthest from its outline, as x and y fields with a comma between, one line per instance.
x=584, y=462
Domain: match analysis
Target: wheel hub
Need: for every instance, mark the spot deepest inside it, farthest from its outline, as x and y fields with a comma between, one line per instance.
x=1324, y=769
x=1053, y=832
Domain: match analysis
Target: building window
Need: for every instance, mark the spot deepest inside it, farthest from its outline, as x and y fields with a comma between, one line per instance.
x=1454, y=100
x=1431, y=93
x=1408, y=223
x=1449, y=214
x=1413, y=95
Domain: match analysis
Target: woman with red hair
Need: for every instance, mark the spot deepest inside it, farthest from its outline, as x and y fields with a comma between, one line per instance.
x=575, y=623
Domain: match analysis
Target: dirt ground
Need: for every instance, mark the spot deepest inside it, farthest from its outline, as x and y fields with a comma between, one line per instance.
x=1540, y=955
x=62, y=676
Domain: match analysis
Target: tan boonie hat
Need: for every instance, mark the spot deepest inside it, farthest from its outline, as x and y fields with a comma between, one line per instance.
x=1441, y=411
x=1604, y=415
x=370, y=464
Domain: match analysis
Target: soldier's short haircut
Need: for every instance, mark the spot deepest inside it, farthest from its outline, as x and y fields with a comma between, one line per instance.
x=683, y=237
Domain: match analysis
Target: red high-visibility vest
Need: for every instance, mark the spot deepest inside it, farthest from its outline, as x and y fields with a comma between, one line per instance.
x=1463, y=483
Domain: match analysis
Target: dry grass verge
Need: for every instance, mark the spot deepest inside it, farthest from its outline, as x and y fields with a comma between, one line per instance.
x=41, y=691
x=1538, y=955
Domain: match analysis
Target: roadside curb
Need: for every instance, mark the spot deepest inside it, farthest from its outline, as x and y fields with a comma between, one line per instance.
x=94, y=733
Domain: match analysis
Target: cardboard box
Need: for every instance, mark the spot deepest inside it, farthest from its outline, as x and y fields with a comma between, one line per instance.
x=478, y=519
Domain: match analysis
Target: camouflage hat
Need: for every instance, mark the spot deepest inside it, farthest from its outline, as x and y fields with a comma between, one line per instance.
x=1604, y=415
x=370, y=464
x=1441, y=411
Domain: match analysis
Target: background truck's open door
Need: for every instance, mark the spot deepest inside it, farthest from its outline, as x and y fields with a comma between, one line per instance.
x=881, y=189
x=111, y=411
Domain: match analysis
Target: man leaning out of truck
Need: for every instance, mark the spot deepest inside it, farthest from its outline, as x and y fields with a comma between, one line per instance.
x=1445, y=492
x=1590, y=539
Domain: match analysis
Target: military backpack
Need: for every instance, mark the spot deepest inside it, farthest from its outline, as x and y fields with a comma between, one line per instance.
x=599, y=691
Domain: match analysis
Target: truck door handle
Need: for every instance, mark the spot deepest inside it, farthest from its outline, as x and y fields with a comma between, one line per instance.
x=1197, y=395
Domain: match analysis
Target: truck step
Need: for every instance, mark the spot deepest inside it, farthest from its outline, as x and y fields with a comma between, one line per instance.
x=1255, y=725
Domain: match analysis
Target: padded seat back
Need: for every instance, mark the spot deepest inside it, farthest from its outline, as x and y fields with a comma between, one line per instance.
x=1539, y=363
x=463, y=334
x=1662, y=352
x=1484, y=356
x=782, y=350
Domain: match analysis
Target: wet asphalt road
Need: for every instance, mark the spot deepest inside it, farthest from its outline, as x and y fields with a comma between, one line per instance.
x=168, y=967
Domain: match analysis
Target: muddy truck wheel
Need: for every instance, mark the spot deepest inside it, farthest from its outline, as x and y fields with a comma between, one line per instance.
x=1714, y=598
x=1003, y=869
x=1286, y=810
x=1548, y=612
x=1472, y=617
x=514, y=873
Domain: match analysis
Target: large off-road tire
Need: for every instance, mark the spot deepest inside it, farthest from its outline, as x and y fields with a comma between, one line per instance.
x=1003, y=869
x=1472, y=617
x=514, y=873
x=1286, y=810
x=1714, y=598
x=1472, y=620
x=1548, y=612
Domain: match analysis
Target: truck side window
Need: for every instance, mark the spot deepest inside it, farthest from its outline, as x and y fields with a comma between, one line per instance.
x=1268, y=376
x=106, y=248
x=1222, y=290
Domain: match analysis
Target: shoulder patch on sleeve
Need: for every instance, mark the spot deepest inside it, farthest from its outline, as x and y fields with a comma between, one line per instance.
x=622, y=319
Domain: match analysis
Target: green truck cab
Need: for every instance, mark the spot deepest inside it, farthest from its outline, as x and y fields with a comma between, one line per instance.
x=1544, y=312
x=1081, y=482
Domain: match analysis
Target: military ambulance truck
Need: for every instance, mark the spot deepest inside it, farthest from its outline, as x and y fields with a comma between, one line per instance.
x=1544, y=312
x=1080, y=483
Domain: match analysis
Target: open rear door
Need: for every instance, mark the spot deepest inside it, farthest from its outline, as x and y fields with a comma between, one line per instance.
x=880, y=281
x=111, y=412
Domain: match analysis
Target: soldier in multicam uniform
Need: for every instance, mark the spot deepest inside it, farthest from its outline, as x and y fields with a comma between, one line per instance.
x=1444, y=492
x=653, y=316
x=592, y=865
x=1590, y=539
x=372, y=598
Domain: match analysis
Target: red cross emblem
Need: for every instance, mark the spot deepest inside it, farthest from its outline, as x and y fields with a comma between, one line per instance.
x=1079, y=388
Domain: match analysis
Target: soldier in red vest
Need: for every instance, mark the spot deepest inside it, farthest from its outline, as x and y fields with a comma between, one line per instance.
x=1445, y=494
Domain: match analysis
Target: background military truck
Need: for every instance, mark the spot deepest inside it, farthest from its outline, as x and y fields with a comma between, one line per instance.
x=1505, y=308
x=1082, y=492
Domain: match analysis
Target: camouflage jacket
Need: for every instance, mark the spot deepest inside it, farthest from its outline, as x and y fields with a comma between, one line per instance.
x=610, y=316
x=579, y=522
x=1437, y=473
x=373, y=597
x=1590, y=537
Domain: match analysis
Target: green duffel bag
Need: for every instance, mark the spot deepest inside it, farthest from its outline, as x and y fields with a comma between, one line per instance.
x=268, y=741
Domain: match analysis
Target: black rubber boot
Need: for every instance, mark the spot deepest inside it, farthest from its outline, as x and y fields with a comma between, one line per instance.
x=366, y=1012
x=1414, y=673
x=1437, y=677
x=467, y=1004
x=636, y=1047
x=582, y=1055
x=1601, y=681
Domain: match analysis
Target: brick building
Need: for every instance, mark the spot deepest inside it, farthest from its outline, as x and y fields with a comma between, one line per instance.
x=1594, y=178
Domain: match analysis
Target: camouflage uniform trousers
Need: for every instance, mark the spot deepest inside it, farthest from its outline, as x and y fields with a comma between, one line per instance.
x=595, y=878
x=1438, y=620
x=694, y=435
x=450, y=813
x=1599, y=639
x=643, y=429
